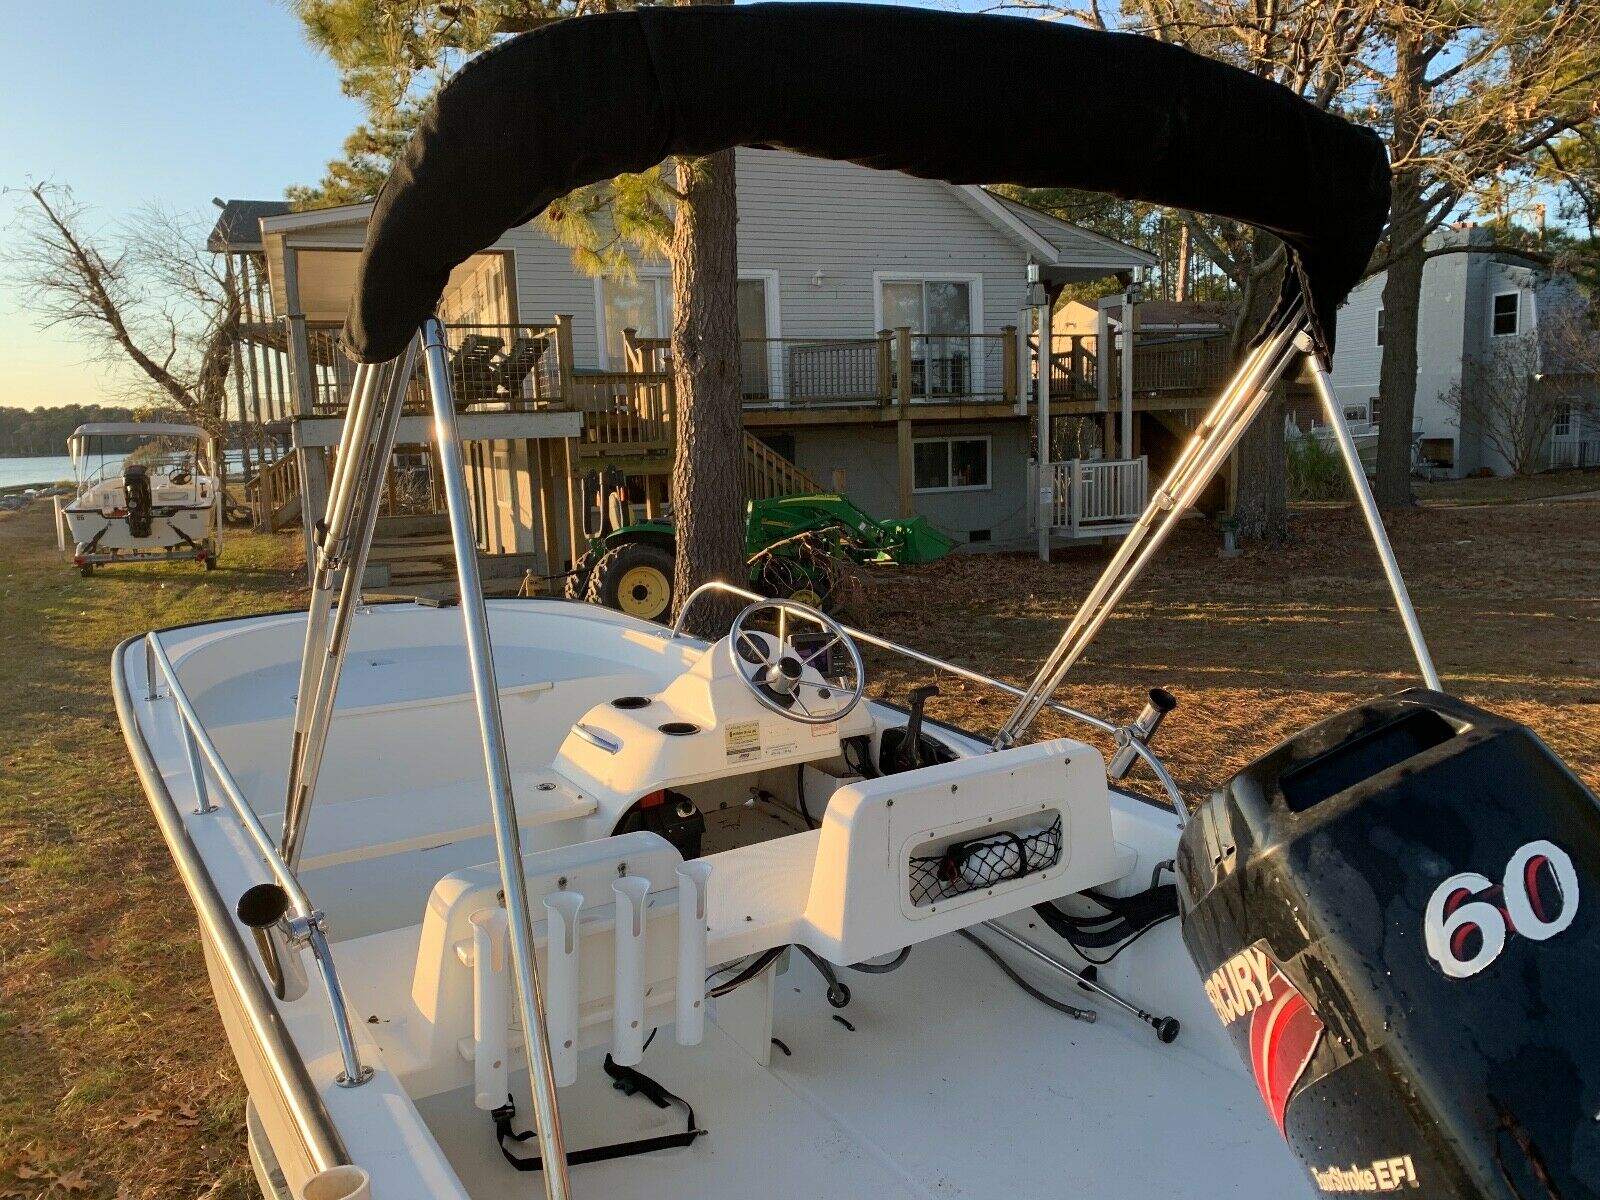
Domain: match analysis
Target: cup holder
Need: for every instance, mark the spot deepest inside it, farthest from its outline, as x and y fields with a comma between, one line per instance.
x=678, y=728
x=630, y=702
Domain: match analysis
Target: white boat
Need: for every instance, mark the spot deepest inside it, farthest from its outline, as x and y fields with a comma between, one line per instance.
x=145, y=491
x=525, y=886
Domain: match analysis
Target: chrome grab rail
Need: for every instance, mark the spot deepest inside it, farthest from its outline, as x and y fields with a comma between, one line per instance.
x=1118, y=732
x=306, y=925
x=300, y=1102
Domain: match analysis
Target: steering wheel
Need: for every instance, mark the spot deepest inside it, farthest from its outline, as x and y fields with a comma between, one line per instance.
x=774, y=673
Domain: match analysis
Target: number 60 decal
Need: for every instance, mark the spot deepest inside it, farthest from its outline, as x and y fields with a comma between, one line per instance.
x=1537, y=899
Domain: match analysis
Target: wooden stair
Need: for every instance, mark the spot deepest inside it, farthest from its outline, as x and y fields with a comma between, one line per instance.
x=411, y=550
x=274, y=494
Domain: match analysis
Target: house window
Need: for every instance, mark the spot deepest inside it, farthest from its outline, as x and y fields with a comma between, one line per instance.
x=939, y=312
x=950, y=464
x=757, y=357
x=642, y=304
x=1506, y=311
x=1379, y=339
x=1372, y=410
x=1355, y=414
x=1562, y=426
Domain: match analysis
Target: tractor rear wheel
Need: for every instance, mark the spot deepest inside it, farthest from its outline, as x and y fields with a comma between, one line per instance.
x=634, y=578
x=576, y=585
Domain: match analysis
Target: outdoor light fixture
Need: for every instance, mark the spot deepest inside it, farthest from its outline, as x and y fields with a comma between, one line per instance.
x=1037, y=296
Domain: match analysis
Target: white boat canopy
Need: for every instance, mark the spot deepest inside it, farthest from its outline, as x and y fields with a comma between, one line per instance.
x=146, y=429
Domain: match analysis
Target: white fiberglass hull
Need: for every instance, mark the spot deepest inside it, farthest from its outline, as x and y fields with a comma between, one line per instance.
x=941, y=1078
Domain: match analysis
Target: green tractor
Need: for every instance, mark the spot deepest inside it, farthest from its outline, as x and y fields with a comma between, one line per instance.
x=792, y=544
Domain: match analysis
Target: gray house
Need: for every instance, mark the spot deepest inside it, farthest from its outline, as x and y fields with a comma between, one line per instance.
x=1497, y=375
x=879, y=315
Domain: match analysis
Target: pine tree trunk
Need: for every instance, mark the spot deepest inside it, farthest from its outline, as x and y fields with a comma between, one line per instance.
x=1261, y=504
x=708, y=465
x=1402, y=290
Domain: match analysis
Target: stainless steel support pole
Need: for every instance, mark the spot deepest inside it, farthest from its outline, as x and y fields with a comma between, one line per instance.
x=1369, y=510
x=352, y=435
x=1213, y=440
x=354, y=1073
x=360, y=521
x=197, y=770
x=486, y=694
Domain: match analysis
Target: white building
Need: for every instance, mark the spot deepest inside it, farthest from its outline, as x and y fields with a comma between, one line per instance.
x=1478, y=307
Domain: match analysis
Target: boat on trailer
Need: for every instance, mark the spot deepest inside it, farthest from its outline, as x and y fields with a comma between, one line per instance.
x=513, y=887
x=146, y=492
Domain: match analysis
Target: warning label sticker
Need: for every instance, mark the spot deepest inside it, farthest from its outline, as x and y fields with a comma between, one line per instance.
x=742, y=740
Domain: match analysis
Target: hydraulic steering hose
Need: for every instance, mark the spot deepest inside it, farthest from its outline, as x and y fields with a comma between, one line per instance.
x=1061, y=1006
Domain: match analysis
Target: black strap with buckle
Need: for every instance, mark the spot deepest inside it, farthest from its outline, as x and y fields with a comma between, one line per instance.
x=627, y=1081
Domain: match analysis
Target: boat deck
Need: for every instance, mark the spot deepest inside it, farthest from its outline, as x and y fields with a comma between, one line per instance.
x=953, y=1082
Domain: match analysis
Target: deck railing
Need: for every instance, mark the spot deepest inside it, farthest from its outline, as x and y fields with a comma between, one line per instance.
x=1573, y=452
x=495, y=368
x=1092, y=493
x=632, y=409
x=1164, y=363
x=1074, y=366
x=1169, y=362
x=837, y=372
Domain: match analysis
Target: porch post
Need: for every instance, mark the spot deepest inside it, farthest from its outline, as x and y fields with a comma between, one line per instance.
x=885, y=366
x=1008, y=362
x=903, y=422
x=1047, y=476
x=1130, y=321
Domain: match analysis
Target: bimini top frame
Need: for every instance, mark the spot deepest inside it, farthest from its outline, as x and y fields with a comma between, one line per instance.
x=1158, y=124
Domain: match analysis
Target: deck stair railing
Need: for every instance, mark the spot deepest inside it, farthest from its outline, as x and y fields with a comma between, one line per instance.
x=273, y=491
x=768, y=474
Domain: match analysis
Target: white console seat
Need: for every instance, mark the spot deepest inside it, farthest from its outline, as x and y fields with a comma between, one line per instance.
x=843, y=890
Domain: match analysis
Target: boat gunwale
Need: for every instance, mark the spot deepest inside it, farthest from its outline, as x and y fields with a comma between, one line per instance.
x=303, y=1105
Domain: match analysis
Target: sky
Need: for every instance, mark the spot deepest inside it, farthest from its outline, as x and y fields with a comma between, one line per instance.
x=173, y=101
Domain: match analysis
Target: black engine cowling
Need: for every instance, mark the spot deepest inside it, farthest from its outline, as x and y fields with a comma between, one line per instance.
x=136, y=485
x=1396, y=914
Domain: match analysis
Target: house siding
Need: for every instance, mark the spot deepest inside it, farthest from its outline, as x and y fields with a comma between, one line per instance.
x=1452, y=335
x=799, y=216
x=867, y=456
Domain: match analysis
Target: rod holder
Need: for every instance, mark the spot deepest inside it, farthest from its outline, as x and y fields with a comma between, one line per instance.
x=627, y=1002
x=561, y=988
x=690, y=1024
x=1156, y=708
x=491, y=1006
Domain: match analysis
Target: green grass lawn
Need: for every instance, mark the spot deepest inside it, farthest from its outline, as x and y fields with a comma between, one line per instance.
x=114, y=1080
x=1508, y=489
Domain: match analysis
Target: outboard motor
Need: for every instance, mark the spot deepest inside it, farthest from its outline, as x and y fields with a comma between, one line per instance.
x=136, y=484
x=1396, y=915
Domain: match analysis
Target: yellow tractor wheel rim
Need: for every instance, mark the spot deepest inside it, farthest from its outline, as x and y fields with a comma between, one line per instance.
x=807, y=596
x=643, y=592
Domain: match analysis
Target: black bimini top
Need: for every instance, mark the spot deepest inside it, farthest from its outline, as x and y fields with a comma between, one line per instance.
x=903, y=89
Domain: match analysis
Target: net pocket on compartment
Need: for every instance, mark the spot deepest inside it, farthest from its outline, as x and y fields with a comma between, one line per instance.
x=980, y=863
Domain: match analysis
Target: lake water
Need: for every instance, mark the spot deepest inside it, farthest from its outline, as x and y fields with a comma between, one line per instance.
x=14, y=472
